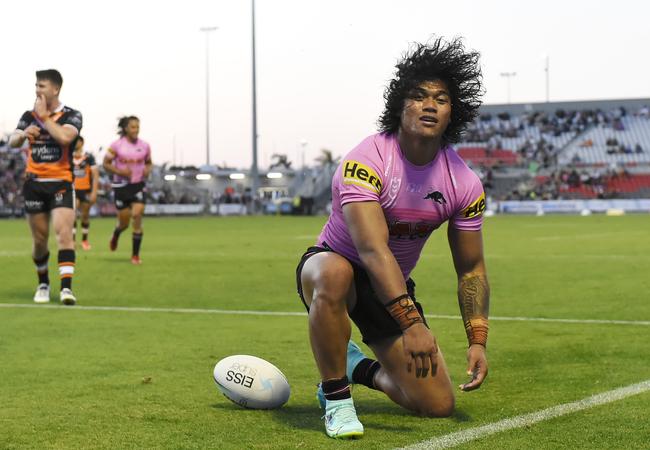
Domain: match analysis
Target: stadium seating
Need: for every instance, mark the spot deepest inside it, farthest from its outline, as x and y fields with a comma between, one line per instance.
x=524, y=150
x=636, y=131
x=518, y=151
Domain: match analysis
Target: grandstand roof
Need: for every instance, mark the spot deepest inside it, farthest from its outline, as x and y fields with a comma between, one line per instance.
x=519, y=108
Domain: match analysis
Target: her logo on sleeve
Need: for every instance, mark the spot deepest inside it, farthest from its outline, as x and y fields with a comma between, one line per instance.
x=475, y=209
x=361, y=175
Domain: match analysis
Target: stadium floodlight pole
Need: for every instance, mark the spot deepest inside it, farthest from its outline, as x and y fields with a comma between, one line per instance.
x=207, y=31
x=174, y=149
x=546, y=70
x=507, y=76
x=254, y=172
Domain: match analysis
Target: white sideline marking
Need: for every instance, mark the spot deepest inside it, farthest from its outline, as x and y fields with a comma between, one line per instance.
x=461, y=437
x=295, y=313
x=163, y=310
x=545, y=319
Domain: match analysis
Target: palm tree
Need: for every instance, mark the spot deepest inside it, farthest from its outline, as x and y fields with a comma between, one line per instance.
x=326, y=158
x=280, y=160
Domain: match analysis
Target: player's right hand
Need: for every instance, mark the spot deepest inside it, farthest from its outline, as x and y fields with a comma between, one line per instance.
x=421, y=350
x=40, y=107
x=126, y=173
x=32, y=132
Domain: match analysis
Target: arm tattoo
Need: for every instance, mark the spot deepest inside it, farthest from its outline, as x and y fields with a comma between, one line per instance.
x=474, y=302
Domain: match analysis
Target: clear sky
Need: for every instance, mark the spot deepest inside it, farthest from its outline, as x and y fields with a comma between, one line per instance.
x=322, y=65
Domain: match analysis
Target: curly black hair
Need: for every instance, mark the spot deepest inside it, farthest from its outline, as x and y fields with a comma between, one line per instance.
x=123, y=122
x=440, y=60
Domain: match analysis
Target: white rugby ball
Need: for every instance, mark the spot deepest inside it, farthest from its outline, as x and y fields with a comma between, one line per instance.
x=251, y=382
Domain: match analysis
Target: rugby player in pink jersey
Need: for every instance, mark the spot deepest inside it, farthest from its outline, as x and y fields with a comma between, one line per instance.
x=128, y=159
x=388, y=195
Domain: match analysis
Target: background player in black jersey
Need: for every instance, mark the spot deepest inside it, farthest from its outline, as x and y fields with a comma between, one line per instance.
x=86, y=185
x=51, y=130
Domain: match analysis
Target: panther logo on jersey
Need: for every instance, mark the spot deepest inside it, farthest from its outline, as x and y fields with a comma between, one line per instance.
x=437, y=197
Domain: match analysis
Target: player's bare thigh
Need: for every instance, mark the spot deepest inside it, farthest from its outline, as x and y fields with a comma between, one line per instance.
x=430, y=395
x=328, y=274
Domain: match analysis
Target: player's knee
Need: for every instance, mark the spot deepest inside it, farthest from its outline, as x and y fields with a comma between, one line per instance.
x=40, y=240
x=40, y=247
x=332, y=284
x=438, y=407
x=330, y=295
x=64, y=239
x=341, y=272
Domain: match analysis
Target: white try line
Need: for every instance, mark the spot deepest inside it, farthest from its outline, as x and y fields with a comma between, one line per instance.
x=301, y=314
x=461, y=437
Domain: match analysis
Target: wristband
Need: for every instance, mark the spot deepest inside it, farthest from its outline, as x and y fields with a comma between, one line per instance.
x=403, y=310
x=477, y=331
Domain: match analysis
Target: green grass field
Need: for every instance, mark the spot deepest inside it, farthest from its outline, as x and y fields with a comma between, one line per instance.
x=84, y=378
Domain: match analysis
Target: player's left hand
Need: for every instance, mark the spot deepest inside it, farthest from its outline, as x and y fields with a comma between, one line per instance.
x=40, y=107
x=477, y=367
x=92, y=198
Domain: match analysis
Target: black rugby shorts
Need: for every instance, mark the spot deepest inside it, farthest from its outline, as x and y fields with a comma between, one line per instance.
x=44, y=196
x=124, y=196
x=369, y=314
x=82, y=195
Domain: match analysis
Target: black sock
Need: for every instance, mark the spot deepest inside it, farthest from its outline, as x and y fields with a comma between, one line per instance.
x=117, y=231
x=41, y=268
x=66, y=267
x=84, y=231
x=337, y=389
x=137, y=241
x=365, y=372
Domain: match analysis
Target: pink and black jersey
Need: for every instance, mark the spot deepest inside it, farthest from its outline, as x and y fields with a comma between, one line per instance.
x=416, y=200
x=132, y=155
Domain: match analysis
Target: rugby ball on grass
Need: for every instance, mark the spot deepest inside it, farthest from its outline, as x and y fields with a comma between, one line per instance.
x=251, y=382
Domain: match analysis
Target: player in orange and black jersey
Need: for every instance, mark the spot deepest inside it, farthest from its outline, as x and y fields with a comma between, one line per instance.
x=86, y=184
x=51, y=130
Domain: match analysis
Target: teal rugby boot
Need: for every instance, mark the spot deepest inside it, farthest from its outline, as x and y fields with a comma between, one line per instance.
x=355, y=356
